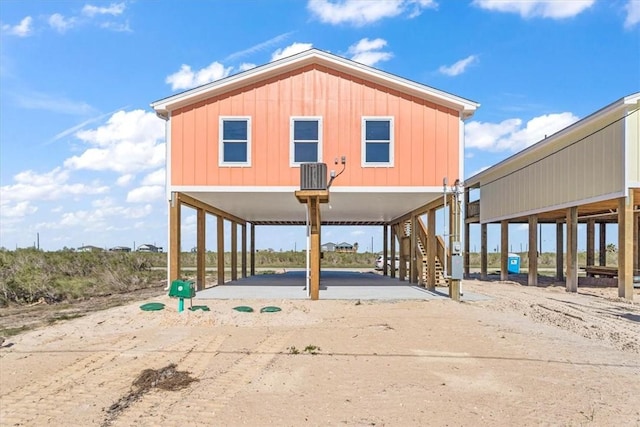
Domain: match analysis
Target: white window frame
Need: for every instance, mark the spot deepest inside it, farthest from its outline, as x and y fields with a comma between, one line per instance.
x=292, y=151
x=363, y=144
x=221, y=162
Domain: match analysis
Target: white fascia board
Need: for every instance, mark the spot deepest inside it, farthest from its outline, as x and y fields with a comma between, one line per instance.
x=235, y=81
x=619, y=105
x=291, y=189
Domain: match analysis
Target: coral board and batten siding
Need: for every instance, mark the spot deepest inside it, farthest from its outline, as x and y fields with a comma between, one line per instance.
x=426, y=138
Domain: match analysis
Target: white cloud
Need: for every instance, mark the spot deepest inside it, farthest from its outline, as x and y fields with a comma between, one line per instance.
x=290, y=50
x=459, y=67
x=30, y=186
x=23, y=29
x=258, y=47
x=18, y=210
x=59, y=23
x=483, y=168
x=129, y=142
x=113, y=9
x=359, y=12
x=633, y=13
x=155, y=178
x=554, y=9
x=117, y=27
x=125, y=180
x=186, y=78
x=511, y=135
x=246, y=66
x=368, y=52
x=57, y=104
x=146, y=194
x=99, y=218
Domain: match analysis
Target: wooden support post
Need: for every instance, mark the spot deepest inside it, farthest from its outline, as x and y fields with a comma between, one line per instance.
x=234, y=251
x=220, y=254
x=572, y=249
x=432, y=249
x=483, y=252
x=467, y=249
x=467, y=243
x=413, y=259
x=175, y=224
x=636, y=240
x=252, y=245
x=591, y=239
x=533, y=250
x=625, y=246
x=603, y=244
x=313, y=199
x=451, y=236
x=243, y=261
x=200, y=249
x=402, y=270
x=314, y=260
x=393, y=251
x=504, y=250
x=559, y=251
x=454, y=236
x=385, y=251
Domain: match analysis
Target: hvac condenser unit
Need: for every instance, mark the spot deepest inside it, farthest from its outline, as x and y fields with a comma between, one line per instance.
x=313, y=176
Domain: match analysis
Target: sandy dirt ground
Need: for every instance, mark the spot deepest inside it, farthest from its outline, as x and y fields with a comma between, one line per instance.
x=528, y=356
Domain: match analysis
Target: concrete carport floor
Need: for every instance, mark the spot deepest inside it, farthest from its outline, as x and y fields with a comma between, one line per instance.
x=334, y=285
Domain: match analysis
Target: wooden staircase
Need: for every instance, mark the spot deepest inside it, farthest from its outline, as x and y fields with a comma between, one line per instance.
x=421, y=242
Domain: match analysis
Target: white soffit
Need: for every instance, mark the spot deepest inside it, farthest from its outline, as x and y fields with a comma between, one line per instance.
x=344, y=205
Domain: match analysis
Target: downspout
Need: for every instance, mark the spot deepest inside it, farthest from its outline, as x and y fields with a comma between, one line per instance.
x=167, y=139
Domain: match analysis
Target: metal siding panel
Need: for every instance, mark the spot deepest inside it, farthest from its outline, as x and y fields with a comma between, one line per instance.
x=632, y=135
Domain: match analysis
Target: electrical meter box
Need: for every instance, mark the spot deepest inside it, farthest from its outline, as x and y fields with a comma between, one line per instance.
x=456, y=267
x=182, y=289
x=456, y=248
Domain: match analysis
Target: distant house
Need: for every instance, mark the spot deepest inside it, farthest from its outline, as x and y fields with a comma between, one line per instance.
x=120, y=249
x=89, y=248
x=346, y=247
x=148, y=248
x=328, y=247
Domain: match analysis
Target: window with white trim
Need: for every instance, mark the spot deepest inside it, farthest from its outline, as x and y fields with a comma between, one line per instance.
x=234, y=141
x=306, y=140
x=377, y=141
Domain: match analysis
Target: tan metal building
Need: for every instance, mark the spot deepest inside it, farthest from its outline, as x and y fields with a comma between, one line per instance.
x=588, y=172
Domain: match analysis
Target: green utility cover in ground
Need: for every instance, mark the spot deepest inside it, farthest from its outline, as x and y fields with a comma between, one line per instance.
x=270, y=309
x=152, y=306
x=243, y=308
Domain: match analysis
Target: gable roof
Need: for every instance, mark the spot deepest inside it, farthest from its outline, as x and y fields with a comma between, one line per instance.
x=616, y=110
x=313, y=56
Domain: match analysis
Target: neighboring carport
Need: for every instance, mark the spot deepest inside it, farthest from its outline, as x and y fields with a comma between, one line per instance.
x=587, y=173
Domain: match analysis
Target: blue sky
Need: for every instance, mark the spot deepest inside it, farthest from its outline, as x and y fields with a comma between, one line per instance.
x=82, y=153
